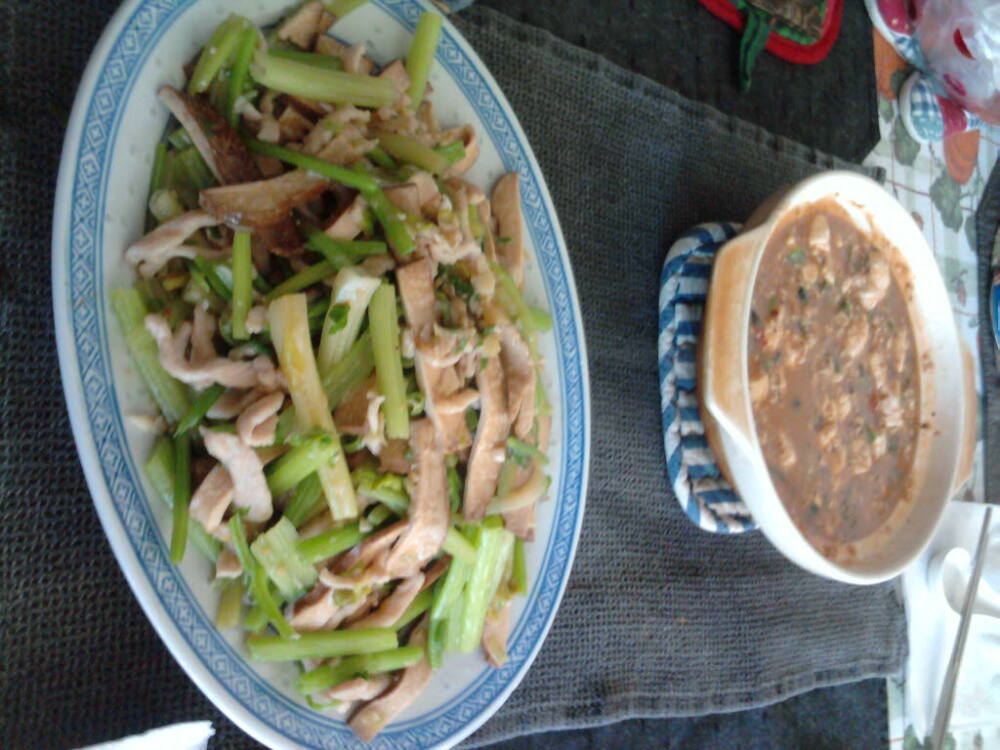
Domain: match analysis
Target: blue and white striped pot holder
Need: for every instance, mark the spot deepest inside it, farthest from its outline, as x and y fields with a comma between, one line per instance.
x=706, y=497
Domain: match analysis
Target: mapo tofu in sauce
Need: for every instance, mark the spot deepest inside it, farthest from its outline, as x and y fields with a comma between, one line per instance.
x=834, y=376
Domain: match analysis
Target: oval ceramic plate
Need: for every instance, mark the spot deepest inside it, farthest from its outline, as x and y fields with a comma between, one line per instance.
x=102, y=187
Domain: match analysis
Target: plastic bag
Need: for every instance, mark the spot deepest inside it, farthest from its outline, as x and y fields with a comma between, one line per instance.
x=960, y=40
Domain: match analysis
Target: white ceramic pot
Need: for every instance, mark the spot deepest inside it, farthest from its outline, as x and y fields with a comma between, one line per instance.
x=947, y=398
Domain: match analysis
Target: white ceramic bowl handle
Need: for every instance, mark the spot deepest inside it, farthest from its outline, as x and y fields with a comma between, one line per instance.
x=724, y=336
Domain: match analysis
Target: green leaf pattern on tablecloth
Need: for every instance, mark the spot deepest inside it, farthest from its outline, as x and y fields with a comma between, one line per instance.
x=904, y=148
x=946, y=195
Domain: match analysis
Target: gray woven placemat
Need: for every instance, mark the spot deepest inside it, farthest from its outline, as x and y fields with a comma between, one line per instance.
x=659, y=619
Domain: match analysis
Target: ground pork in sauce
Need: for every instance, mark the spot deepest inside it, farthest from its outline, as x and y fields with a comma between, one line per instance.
x=833, y=376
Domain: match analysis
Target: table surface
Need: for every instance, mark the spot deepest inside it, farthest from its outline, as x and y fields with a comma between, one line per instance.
x=788, y=100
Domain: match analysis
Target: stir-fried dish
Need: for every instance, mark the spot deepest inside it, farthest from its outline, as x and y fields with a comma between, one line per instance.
x=834, y=377
x=331, y=322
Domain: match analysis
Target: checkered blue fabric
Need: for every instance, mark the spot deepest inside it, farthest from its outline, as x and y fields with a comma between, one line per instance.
x=706, y=497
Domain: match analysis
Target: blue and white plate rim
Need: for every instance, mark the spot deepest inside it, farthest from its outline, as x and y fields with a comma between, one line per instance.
x=81, y=334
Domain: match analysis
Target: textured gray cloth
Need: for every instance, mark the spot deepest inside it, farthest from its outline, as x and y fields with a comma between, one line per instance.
x=705, y=616
x=660, y=618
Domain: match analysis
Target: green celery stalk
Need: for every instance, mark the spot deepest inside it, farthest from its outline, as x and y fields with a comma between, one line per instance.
x=303, y=279
x=519, y=569
x=259, y=590
x=456, y=545
x=454, y=152
x=421, y=54
x=393, y=222
x=239, y=74
x=216, y=53
x=493, y=551
x=324, y=546
x=288, y=318
x=314, y=59
x=215, y=282
x=306, y=501
x=340, y=8
x=156, y=178
x=182, y=496
x=389, y=489
x=326, y=676
x=243, y=271
x=164, y=204
x=347, y=251
x=383, y=159
x=190, y=163
x=199, y=408
x=356, y=180
x=420, y=604
x=347, y=374
x=412, y=151
x=321, y=85
x=384, y=327
x=277, y=553
x=160, y=472
x=170, y=395
x=321, y=644
x=304, y=459
x=447, y=594
x=230, y=604
x=354, y=289
x=179, y=138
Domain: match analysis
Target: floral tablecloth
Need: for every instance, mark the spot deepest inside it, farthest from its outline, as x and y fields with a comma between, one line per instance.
x=941, y=185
